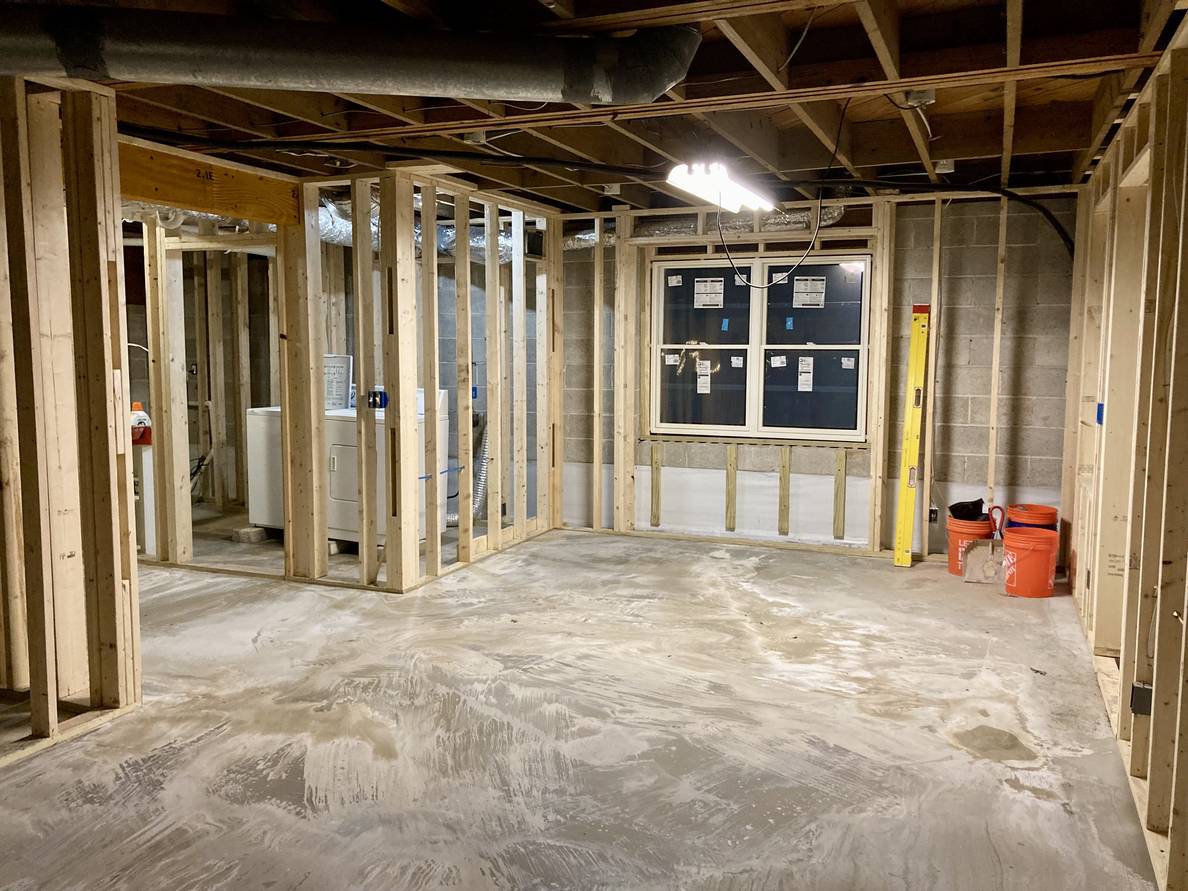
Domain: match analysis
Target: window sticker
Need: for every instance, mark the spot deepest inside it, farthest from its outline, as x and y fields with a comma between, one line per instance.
x=708, y=293
x=703, y=366
x=779, y=361
x=672, y=358
x=804, y=374
x=848, y=362
x=736, y=361
x=675, y=281
x=808, y=291
x=740, y=280
x=703, y=384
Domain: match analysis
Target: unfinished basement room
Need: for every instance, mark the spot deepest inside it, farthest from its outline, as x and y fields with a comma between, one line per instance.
x=594, y=444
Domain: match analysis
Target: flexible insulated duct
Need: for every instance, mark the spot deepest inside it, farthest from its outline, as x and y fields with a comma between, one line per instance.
x=233, y=51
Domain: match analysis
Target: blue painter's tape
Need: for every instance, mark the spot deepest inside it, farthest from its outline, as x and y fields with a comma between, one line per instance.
x=1100, y=413
x=725, y=324
x=788, y=323
x=377, y=399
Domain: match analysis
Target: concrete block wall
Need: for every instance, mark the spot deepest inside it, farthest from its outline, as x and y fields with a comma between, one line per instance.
x=1034, y=358
x=1033, y=364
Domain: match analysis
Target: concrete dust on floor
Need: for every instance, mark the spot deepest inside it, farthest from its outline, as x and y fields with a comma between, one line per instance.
x=593, y=711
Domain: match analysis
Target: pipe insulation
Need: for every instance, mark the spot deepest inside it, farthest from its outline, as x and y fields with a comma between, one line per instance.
x=233, y=51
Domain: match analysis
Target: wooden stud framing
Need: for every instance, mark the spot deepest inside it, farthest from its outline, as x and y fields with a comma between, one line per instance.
x=785, y=499
x=542, y=358
x=996, y=352
x=657, y=449
x=167, y=397
x=879, y=337
x=197, y=263
x=556, y=267
x=363, y=258
x=731, y=486
x=494, y=381
x=839, y=494
x=217, y=406
x=334, y=297
x=465, y=377
x=430, y=375
x=241, y=368
x=934, y=327
x=303, y=444
x=30, y=389
x=274, y=351
x=398, y=257
x=596, y=351
x=100, y=336
x=626, y=298
x=519, y=369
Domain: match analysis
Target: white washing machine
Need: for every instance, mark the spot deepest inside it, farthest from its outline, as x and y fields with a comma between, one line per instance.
x=265, y=494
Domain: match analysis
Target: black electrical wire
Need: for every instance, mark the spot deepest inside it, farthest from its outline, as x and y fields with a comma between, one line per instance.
x=640, y=174
x=816, y=228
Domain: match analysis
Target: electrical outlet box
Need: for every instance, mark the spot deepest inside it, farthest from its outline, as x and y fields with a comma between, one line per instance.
x=933, y=515
x=946, y=166
x=920, y=98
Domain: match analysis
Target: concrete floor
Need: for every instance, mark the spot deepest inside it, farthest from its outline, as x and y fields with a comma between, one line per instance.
x=591, y=711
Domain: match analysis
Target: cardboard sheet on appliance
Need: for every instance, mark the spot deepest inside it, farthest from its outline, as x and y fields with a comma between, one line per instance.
x=808, y=291
x=708, y=293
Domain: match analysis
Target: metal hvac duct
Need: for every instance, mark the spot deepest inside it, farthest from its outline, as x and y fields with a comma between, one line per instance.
x=228, y=51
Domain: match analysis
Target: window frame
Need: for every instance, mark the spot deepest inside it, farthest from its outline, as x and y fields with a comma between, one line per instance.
x=756, y=269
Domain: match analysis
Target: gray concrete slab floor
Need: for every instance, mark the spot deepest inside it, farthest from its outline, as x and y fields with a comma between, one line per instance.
x=593, y=711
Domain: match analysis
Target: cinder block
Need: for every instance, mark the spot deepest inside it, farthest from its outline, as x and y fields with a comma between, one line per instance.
x=1054, y=288
x=1044, y=471
x=978, y=207
x=1043, y=442
x=813, y=459
x=952, y=410
x=914, y=233
x=580, y=450
x=579, y=426
x=1034, y=319
x=948, y=467
x=707, y=455
x=858, y=463
x=965, y=380
x=952, y=350
x=673, y=454
x=1037, y=380
x=970, y=290
x=1034, y=411
x=913, y=263
x=643, y=452
x=963, y=260
x=962, y=439
x=907, y=212
x=971, y=320
x=759, y=458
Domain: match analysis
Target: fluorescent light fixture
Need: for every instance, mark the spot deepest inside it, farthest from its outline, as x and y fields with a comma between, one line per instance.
x=713, y=183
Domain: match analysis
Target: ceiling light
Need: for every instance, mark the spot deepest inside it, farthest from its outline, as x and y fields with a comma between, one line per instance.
x=713, y=183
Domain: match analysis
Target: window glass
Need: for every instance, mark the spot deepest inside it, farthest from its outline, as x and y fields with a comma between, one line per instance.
x=705, y=304
x=818, y=303
x=815, y=389
x=703, y=386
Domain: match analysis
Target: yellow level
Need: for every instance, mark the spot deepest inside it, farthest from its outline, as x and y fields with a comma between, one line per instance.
x=909, y=467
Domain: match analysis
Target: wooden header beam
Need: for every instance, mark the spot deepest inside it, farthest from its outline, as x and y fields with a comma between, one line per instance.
x=164, y=175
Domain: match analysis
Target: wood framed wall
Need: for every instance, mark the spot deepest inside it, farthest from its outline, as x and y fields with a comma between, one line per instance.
x=397, y=297
x=1129, y=536
x=676, y=233
x=72, y=627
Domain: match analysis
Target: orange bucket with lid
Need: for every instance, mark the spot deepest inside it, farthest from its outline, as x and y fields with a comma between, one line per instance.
x=1029, y=561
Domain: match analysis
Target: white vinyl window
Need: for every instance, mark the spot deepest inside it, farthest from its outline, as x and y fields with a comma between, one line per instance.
x=783, y=362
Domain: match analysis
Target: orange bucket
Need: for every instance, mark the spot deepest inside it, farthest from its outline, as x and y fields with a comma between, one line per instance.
x=961, y=533
x=1029, y=561
x=1041, y=516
